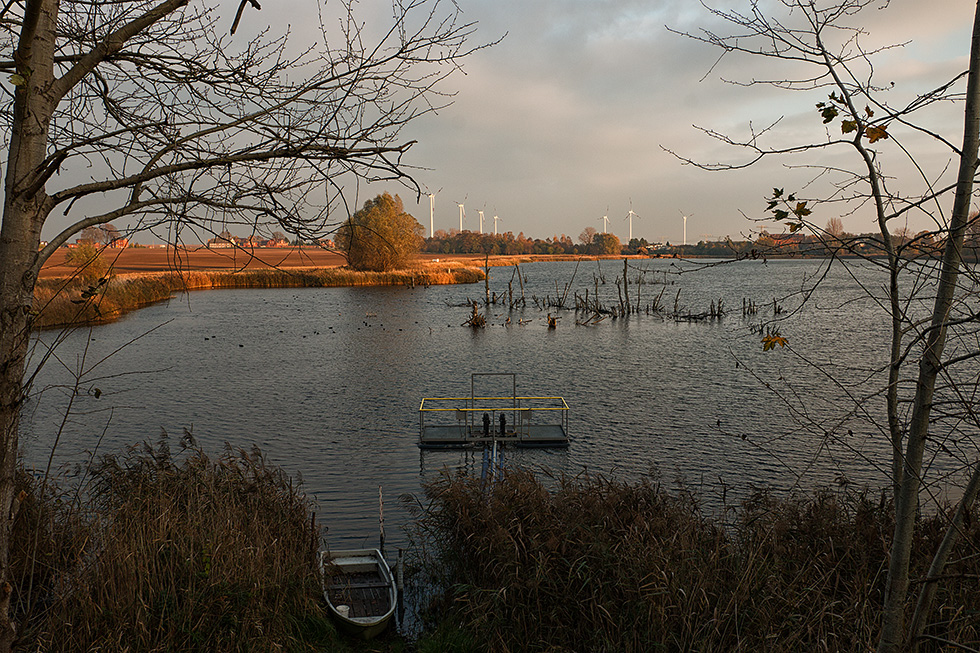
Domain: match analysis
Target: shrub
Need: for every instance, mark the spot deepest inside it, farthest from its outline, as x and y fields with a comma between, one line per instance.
x=381, y=236
x=88, y=262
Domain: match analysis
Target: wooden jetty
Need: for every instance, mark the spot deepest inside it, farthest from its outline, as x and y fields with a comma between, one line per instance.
x=475, y=421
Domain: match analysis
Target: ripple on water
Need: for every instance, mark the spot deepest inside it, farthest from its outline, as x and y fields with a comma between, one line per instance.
x=328, y=383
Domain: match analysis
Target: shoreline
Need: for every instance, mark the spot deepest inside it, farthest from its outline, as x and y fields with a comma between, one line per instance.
x=144, y=260
x=65, y=301
x=143, y=276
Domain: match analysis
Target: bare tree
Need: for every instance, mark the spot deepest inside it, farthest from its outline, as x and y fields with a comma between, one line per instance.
x=587, y=235
x=835, y=227
x=149, y=110
x=101, y=234
x=928, y=385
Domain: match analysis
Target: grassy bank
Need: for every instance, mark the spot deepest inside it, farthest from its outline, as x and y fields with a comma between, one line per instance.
x=596, y=565
x=79, y=300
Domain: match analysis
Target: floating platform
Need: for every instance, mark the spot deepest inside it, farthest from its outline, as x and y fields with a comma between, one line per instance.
x=477, y=420
x=452, y=437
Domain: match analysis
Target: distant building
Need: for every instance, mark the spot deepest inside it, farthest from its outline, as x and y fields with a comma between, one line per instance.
x=224, y=240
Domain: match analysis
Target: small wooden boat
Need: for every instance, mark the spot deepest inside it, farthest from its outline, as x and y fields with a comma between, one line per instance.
x=360, y=590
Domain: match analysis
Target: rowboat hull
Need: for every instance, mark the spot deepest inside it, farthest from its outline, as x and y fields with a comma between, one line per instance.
x=360, y=590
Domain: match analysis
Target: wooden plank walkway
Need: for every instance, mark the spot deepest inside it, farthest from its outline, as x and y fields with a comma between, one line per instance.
x=460, y=437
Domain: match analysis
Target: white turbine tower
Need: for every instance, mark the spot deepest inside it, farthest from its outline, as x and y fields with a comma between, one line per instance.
x=629, y=216
x=605, y=223
x=462, y=214
x=685, y=226
x=432, y=211
x=481, y=221
x=495, y=218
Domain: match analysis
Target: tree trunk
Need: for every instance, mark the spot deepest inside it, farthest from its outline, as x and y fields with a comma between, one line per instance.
x=14, y=327
x=18, y=251
x=928, y=593
x=24, y=209
x=906, y=503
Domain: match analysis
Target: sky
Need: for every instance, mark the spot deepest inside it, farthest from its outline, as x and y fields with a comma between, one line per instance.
x=570, y=116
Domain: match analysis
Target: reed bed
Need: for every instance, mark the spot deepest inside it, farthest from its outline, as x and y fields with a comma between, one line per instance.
x=599, y=565
x=171, y=553
x=78, y=301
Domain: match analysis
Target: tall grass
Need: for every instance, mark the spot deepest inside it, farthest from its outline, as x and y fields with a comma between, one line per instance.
x=170, y=552
x=81, y=300
x=162, y=551
x=599, y=565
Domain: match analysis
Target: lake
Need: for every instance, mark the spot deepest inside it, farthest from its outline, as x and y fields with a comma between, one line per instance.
x=327, y=382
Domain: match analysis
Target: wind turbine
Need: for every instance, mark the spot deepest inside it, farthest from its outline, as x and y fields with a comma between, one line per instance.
x=605, y=223
x=481, y=221
x=685, y=225
x=495, y=218
x=462, y=214
x=432, y=211
x=629, y=216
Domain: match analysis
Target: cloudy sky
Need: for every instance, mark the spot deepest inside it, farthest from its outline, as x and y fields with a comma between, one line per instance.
x=569, y=117
x=566, y=120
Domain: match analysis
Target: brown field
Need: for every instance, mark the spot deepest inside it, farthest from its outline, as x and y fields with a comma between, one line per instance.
x=163, y=259
x=144, y=259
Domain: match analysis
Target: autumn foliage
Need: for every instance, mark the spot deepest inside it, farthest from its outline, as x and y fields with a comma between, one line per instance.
x=381, y=236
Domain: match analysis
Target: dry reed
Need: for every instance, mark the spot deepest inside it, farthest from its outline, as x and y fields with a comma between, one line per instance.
x=173, y=553
x=598, y=565
x=77, y=301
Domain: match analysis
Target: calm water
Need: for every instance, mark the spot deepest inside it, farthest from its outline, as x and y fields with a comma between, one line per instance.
x=327, y=382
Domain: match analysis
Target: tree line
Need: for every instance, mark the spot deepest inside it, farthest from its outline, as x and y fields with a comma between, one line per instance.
x=470, y=242
x=816, y=243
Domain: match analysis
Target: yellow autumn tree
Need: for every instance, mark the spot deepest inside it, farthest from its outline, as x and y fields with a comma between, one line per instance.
x=381, y=236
